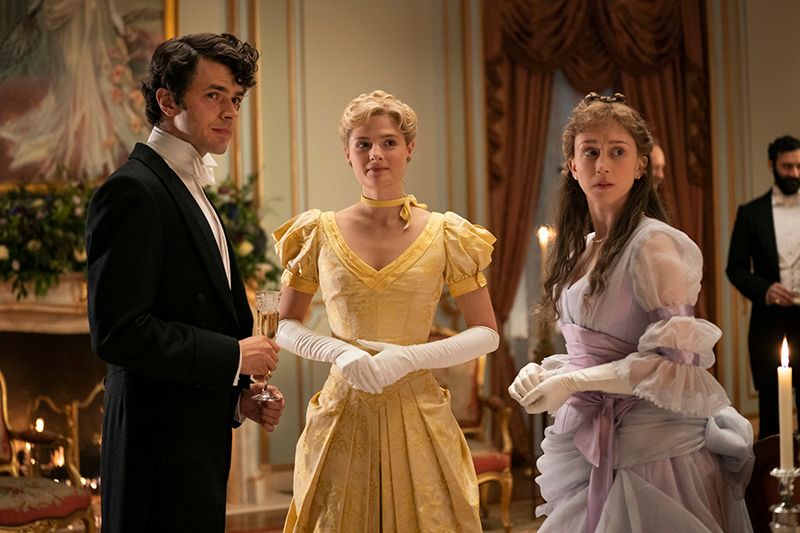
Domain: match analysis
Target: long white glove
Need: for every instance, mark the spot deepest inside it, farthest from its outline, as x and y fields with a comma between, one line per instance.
x=396, y=361
x=356, y=365
x=555, y=389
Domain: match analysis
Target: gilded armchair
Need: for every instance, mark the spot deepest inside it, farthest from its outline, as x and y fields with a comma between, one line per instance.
x=465, y=383
x=36, y=504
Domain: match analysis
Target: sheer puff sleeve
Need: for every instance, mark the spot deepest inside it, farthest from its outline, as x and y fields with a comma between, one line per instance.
x=675, y=350
x=296, y=243
x=469, y=251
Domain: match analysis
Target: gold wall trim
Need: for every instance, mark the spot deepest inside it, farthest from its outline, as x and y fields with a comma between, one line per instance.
x=448, y=118
x=715, y=188
x=257, y=132
x=291, y=36
x=170, y=19
x=469, y=119
x=236, y=145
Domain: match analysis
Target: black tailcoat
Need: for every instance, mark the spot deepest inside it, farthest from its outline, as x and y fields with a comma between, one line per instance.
x=166, y=322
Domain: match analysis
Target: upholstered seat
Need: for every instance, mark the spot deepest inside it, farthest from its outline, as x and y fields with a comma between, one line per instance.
x=492, y=463
x=27, y=500
x=38, y=504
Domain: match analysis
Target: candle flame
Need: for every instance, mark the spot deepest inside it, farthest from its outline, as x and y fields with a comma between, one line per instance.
x=39, y=426
x=784, y=353
x=545, y=234
x=58, y=456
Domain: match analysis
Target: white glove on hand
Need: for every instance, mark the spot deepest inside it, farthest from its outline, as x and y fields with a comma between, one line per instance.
x=356, y=365
x=360, y=370
x=396, y=361
x=555, y=389
x=528, y=379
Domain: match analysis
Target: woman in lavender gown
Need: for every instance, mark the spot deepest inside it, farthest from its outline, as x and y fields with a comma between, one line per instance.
x=644, y=437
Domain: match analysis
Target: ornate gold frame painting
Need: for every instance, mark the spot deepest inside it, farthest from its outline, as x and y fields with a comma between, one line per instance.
x=69, y=73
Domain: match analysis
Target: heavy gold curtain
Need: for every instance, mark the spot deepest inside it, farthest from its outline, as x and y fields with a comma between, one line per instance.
x=654, y=52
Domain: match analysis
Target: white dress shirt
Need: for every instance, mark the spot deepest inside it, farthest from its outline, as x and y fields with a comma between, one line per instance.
x=194, y=171
x=786, y=215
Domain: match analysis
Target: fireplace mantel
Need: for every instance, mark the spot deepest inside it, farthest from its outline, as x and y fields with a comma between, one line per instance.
x=61, y=311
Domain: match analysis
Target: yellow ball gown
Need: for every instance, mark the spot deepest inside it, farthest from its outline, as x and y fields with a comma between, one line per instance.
x=395, y=461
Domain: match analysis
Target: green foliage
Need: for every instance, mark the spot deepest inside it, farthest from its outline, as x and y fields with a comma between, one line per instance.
x=42, y=234
x=242, y=220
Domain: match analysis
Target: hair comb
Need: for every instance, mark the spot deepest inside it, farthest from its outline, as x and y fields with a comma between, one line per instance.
x=615, y=98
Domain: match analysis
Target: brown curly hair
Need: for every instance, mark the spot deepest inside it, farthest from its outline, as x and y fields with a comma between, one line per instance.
x=573, y=221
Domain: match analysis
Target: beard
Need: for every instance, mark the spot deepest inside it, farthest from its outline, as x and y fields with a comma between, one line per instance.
x=787, y=184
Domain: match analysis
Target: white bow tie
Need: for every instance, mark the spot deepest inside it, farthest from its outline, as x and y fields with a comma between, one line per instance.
x=202, y=172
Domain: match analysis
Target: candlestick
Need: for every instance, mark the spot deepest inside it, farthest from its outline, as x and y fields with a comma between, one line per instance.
x=544, y=347
x=785, y=409
x=785, y=515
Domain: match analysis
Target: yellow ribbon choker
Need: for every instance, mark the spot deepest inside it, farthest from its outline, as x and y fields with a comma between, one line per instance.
x=406, y=201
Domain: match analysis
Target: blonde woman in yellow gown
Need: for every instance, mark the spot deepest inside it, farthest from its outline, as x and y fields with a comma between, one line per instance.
x=381, y=450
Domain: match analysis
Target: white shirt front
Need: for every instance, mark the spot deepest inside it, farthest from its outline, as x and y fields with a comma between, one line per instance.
x=786, y=215
x=184, y=160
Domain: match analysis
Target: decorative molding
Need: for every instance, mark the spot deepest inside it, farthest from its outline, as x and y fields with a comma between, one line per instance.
x=61, y=311
x=256, y=128
x=170, y=18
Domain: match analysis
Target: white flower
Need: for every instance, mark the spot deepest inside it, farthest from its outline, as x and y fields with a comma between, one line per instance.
x=3, y=252
x=245, y=248
x=262, y=269
x=34, y=245
x=79, y=254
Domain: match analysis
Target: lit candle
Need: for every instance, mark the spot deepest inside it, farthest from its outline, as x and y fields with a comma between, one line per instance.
x=545, y=234
x=785, y=409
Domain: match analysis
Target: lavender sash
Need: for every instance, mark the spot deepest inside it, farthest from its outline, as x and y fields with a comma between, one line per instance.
x=602, y=412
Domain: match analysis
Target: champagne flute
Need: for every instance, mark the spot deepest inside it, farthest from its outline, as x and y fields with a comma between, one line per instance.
x=267, y=324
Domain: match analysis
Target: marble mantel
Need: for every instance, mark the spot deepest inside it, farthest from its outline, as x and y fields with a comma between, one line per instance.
x=61, y=311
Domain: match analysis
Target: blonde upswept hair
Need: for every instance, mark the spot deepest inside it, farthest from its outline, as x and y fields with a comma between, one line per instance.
x=378, y=103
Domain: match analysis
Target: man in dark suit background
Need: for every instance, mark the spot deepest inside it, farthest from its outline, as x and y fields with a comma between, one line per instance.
x=167, y=306
x=764, y=264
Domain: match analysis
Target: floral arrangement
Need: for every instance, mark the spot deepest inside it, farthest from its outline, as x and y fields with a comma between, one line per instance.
x=242, y=220
x=42, y=234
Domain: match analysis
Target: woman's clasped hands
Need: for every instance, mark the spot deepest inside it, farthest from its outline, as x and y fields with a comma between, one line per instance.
x=538, y=390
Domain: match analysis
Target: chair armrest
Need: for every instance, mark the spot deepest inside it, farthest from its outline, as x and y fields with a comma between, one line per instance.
x=36, y=437
x=502, y=419
x=49, y=438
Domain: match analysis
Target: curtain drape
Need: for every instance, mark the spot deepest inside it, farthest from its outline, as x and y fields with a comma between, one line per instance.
x=653, y=51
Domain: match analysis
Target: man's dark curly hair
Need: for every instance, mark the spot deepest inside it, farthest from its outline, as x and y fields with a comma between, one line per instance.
x=175, y=61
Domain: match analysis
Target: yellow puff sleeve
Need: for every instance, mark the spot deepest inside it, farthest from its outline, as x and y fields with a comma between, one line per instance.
x=469, y=251
x=296, y=243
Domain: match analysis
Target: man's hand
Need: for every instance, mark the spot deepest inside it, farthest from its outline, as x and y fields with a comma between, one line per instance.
x=778, y=294
x=259, y=355
x=265, y=414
